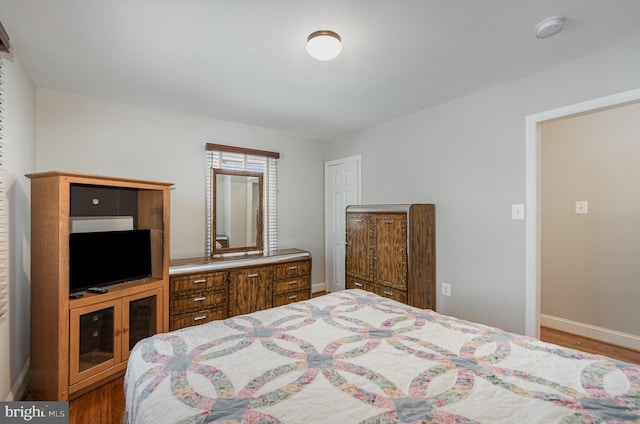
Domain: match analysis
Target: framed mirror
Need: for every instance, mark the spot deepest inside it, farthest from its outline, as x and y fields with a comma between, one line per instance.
x=236, y=211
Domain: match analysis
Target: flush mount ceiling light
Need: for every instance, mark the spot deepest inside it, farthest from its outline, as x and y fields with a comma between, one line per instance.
x=324, y=45
x=549, y=27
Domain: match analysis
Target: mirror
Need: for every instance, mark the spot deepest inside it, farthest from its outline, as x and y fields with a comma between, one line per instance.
x=237, y=211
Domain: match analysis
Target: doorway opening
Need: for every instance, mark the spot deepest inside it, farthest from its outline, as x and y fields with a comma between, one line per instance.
x=533, y=167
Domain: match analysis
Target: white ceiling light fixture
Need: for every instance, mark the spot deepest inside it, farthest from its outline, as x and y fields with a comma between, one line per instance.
x=324, y=45
x=549, y=27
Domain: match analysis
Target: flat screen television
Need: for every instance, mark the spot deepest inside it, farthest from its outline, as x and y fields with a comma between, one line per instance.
x=98, y=259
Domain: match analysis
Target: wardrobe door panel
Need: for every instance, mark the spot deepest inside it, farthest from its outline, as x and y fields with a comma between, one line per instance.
x=391, y=250
x=359, y=260
x=250, y=290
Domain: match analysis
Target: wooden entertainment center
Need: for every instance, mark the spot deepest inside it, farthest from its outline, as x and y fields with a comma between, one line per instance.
x=80, y=344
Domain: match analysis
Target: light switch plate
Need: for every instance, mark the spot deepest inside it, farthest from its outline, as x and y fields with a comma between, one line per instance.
x=582, y=207
x=517, y=211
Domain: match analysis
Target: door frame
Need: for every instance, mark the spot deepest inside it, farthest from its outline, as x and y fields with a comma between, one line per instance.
x=532, y=175
x=358, y=160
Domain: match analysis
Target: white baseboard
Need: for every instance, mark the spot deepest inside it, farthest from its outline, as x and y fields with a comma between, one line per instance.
x=586, y=330
x=19, y=389
x=317, y=287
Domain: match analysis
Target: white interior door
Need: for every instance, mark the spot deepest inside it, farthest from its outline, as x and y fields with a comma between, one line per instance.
x=342, y=188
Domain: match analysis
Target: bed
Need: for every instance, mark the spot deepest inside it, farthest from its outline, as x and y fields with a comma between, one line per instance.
x=355, y=357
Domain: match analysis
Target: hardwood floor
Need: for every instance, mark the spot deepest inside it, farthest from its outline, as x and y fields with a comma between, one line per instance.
x=589, y=345
x=103, y=405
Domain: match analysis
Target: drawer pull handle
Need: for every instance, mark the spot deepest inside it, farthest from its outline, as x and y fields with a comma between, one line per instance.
x=357, y=284
x=291, y=283
x=199, y=299
x=252, y=275
x=200, y=318
x=388, y=221
x=293, y=297
x=358, y=220
x=388, y=293
x=204, y=280
x=291, y=268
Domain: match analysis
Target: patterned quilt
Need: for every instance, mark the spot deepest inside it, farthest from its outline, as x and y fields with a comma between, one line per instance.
x=355, y=357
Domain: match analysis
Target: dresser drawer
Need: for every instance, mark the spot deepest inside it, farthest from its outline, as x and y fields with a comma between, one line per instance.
x=261, y=274
x=384, y=291
x=197, y=301
x=197, y=282
x=292, y=284
x=291, y=269
x=285, y=299
x=389, y=292
x=196, y=318
x=359, y=283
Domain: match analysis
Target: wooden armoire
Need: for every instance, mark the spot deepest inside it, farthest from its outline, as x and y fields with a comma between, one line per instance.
x=390, y=251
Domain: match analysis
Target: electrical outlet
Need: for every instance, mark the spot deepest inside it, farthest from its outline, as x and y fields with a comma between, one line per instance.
x=446, y=289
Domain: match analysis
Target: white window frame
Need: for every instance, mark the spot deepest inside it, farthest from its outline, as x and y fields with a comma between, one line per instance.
x=232, y=158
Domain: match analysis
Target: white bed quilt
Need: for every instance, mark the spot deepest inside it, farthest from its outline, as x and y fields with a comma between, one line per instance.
x=355, y=357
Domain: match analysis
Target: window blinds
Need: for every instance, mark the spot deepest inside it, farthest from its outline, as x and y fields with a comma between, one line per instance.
x=247, y=162
x=4, y=215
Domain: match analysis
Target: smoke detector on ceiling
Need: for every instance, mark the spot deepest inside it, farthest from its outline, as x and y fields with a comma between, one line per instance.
x=549, y=27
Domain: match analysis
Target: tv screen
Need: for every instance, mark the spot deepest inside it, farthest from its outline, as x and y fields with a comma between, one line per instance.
x=108, y=257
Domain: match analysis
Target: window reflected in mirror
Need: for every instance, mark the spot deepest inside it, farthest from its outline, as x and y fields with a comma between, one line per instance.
x=237, y=218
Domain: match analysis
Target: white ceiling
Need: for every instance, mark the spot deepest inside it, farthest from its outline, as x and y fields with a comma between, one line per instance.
x=245, y=60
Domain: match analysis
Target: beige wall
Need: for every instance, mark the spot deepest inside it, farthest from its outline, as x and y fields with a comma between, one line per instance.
x=591, y=263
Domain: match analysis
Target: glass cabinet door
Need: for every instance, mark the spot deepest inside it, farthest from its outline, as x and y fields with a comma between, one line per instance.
x=95, y=344
x=102, y=334
x=142, y=317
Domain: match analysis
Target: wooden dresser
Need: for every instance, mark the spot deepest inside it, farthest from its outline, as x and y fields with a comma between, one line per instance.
x=292, y=282
x=197, y=298
x=203, y=289
x=391, y=251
